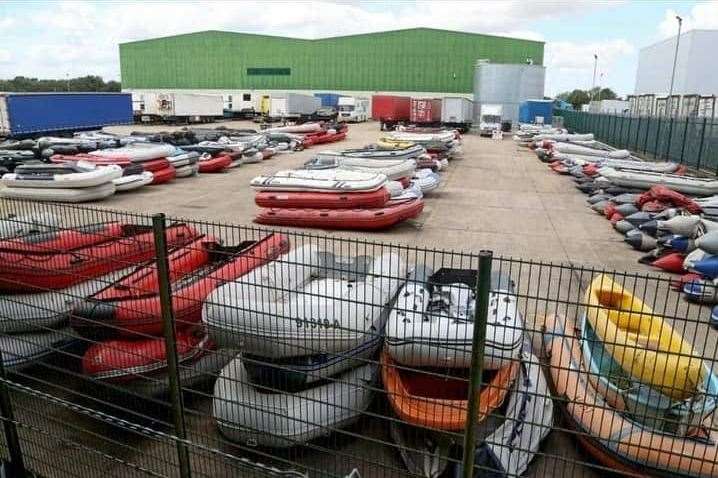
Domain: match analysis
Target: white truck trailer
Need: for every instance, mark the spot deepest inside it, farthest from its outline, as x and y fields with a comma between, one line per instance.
x=181, y=107
x=293, y=106
x=457, y=112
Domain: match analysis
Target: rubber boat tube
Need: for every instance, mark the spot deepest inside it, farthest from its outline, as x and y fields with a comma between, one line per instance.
x=305, y=302
x=255, y=415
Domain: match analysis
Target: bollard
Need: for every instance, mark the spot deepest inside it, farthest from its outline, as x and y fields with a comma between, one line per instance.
x=168, y=325
x=483, y=288
x=17, y=464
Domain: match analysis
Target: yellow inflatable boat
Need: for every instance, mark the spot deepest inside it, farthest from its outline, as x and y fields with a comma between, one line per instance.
x=389, y=143
x=643, y=343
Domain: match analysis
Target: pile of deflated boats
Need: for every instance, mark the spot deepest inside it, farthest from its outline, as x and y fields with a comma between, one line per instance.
x=298, y=342
x=661, y=210
x=92, y=166
x=371, y=188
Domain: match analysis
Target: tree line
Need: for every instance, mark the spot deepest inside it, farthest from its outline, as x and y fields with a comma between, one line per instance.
x=579, y=98
x=83, y=83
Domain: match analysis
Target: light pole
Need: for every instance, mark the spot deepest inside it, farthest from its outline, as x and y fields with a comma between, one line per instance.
x=673, y=73
x=595, y=65
x=600, y=82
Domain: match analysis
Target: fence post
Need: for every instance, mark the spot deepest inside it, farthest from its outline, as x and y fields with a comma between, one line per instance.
x=638, y=133
x=168, y=325
x=17, y=463
x=685, y=139
x=483, y=288
x=658, y=136
x=703, y=137
x=670, y=138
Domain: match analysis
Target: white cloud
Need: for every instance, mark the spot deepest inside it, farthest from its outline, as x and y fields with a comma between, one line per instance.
x=570, y=64
x=5, y=56
x=701, y=16
x=79, y=38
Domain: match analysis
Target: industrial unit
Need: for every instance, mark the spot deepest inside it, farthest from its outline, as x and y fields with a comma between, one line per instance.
x=416, y=62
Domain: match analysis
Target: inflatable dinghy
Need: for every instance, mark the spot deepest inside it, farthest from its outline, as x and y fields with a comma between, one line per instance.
x=133, y=181
x=392, y=213
x=319, y=181
x=73, y=195
x=438, y=401
x=376, y=153
x=391, y=168
x=79, y=175
x=22, y=350
x=306, y=301
x=297, y=128
x=47, y=269
x=15, y=226
x=214, y=164
x=643, y=403
x=360, y=200
x=254, y=415
x=529, y=419
x=426, y=180
x=187, y=171
x=610, y=436
x=676, y=182
x=131, y=306
x=137, y=152
x=40, y=311
x=432, y=322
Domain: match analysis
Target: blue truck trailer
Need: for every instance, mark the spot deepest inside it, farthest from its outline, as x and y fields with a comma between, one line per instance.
x=329, y=99
x=529, y=110
x=26, y=114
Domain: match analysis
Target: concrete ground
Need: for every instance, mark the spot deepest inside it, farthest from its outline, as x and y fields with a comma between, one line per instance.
x=498, y=196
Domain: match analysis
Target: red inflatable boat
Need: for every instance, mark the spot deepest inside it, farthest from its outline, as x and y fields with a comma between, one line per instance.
x=69, y=239
x=365, y=200
x=155, y=165
x=323, y=137
x=131, y=306
x=353, y=219
x=164, y=175
x=215, y=165
x=29, y=271
x=122, y=360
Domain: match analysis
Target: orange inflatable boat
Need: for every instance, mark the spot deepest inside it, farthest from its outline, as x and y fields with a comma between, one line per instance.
x=440, y=402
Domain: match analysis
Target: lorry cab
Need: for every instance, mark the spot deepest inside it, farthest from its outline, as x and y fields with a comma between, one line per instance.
x=353, y=110
x=490, y=119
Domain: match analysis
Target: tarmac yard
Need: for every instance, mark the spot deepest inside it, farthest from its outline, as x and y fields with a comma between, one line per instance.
x=497, y=196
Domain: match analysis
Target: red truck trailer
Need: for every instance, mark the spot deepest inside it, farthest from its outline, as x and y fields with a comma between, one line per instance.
x=425, y=111
x=390, y=110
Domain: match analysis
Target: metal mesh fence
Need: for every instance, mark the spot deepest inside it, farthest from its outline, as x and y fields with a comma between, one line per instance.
x=691, y=141
x=145, y=345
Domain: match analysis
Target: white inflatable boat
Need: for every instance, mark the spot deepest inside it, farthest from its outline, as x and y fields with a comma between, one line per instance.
x=391, y=168
x=79, y=175
x=60, y=195
x=645, y=180
x=137, y=152
x=327, y=180
x=579, y=160
x=426, y=180
x=183, y=159
x=133, y=181
x=37, y=312
x=22, y=350
x=376, y=153
x=254, y=416
x=297, y=128
x=432, y=323
x=306, y=302
x=187, y=171
x=564, y=137
x=15, y=226
x=423, y=138
x=568, y=148
x=529, y=419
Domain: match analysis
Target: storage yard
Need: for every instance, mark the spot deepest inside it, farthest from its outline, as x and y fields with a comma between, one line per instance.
x=368, y=275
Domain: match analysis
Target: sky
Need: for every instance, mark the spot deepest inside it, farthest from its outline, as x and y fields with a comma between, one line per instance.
x=76, y=38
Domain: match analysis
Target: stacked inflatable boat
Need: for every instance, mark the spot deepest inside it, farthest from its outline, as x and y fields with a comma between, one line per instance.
x=279, y=392
x=331, y=199
x=431, y=328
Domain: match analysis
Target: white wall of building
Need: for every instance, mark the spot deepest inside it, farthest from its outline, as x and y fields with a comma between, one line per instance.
x=696, y=70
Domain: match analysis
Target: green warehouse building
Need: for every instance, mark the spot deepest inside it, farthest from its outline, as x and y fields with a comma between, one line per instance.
x=417, y=61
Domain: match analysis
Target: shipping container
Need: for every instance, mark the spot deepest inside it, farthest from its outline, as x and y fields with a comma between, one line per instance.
x=293, y=105
x=35, y=113
x=182, y=107
x=390, y=110
x=457, y=112
x=329, y=99
x=425, y=110
x=536, y=111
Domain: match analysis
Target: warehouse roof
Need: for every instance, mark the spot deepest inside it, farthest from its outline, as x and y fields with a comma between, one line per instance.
x=332, y=37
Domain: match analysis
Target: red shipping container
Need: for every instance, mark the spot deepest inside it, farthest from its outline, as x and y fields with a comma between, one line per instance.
x=425, y=110
x=389, y=108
